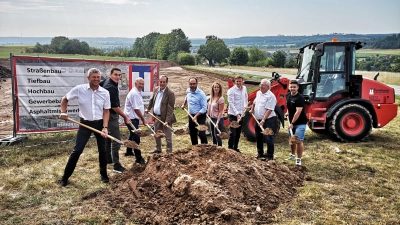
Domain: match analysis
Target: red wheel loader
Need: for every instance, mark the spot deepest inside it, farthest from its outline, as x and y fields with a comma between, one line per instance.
x=338, y=101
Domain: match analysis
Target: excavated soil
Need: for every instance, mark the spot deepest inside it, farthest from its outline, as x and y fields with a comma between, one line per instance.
x=202, y=184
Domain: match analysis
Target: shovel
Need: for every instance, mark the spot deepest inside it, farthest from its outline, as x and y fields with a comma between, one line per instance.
x=158, y=134
x=180, y=131
x=293, y=140
x=220, y=134
x=266, y=131
x=129, y=144
x=199, y=127
x=139, y=132
x=235, y=124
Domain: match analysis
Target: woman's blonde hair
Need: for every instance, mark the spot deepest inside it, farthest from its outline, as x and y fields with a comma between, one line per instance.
x=220, y=90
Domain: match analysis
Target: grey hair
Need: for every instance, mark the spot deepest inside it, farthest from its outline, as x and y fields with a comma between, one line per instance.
x=139, y=78
x=93, y=70
x=266, y=81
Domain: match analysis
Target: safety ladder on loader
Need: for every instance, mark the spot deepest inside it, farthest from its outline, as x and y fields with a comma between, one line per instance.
x=317, y=120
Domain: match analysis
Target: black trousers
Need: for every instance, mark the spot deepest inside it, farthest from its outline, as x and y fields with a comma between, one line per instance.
x=234, y=133
x=194, y=132
x=134, y=137
x=82, y=138
x=269, y=123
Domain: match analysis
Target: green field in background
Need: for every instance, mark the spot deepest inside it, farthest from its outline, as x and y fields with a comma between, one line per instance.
x=20, y=50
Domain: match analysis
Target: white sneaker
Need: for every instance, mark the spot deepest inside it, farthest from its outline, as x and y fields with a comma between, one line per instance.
x=291, y=157
x=298, y=161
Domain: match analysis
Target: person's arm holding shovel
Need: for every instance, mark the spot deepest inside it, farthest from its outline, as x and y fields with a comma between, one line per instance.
x=295, y=116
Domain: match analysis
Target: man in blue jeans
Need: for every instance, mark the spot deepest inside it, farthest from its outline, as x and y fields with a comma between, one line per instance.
x=295, y=104
x=264, y=110
x=94, y=115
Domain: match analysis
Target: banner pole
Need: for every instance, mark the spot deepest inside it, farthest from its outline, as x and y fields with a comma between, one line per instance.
x=13, y=95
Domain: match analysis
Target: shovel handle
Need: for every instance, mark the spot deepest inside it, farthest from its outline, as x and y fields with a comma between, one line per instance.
x=148, y=126
x=290, y=130
x=133, y=127
x=262, y=128
x=94, y=130
x=155, y=117
x=213, y=124
x=191, y=116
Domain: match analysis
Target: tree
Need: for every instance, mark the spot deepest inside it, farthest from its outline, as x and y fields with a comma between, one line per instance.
x=255, y=54
x=239, y=56
x=57, y=44
x=279, y=58
x=214, y=50
x=291, y=63
x=185, y=58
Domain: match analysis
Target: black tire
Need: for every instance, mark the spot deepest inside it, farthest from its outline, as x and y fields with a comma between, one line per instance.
x=248, y=127
x=351, y=123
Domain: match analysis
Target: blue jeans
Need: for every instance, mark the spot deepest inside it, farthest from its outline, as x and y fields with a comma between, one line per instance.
x=82, y=138
x=216, y=139
x=269, y=123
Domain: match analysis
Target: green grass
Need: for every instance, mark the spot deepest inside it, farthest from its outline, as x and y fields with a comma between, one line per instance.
x=362, y=53
x=358, y=185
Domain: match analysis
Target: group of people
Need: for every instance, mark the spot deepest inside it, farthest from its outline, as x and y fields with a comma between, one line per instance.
x=100, y=109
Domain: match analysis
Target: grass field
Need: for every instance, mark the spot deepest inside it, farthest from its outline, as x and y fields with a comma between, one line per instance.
x=20, y=50
x=347, y=183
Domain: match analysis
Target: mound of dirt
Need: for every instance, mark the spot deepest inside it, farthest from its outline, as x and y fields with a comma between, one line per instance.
x=203, y=184
x=5, y=72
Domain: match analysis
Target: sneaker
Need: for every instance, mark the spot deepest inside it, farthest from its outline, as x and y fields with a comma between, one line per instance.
x=119, y=169
x=298, y=161
x=62, y=182
x=155, y=151
x=105, y=179
x=291, y=157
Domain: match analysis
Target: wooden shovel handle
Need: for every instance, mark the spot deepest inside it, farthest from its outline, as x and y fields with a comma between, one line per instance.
x=155, y=117
x=94, y=130
x=191, y=116
x=148, y=126
x=262, y=128
x=290, y=130
x=216, y=127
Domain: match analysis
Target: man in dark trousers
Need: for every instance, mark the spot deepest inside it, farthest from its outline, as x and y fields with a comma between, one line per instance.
x=112, y=147
x=295, y=104
x=196, y=101
x=162, y=102
x=94, y=105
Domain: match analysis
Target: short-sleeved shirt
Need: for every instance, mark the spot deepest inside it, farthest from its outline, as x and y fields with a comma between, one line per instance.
x=112, y=87
x=292, y=103
x=264, y=102
x=91, y=103
x=134, y=100
x=213, y=107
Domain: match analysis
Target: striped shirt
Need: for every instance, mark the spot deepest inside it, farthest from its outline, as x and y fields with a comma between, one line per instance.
x=237, y=100
x=262, y=103
x=91, y=103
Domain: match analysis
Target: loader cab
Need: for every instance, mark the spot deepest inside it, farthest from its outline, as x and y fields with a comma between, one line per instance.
x=324, y=69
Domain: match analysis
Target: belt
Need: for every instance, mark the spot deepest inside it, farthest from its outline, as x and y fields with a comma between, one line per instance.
x=88, y=121
x=157, y=115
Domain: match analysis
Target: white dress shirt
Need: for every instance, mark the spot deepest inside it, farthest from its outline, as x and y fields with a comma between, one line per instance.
x=263, y=102
x=157, y=103
x=134, y=100
x=237, y=99
x=91, y=103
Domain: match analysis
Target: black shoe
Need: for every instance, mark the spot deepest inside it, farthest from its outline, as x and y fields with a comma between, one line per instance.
x=238, y=150
x=155, y=152
x=105, y=179
x=129, y=154
x=258, y=156
x=119, y=169
x=62, y=182
x=141, y=161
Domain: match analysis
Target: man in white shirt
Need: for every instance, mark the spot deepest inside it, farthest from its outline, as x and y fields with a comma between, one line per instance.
x=94, y=106
x=134, y=110
x=264, y=110
x=237, y=102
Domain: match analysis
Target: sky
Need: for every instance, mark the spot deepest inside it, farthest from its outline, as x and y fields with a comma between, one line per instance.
x=197, y=18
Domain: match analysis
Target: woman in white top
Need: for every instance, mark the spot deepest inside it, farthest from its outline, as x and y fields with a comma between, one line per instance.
x=215, y=110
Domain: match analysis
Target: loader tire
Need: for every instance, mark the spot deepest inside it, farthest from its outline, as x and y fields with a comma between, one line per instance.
x=248, y=127
x=351, y=123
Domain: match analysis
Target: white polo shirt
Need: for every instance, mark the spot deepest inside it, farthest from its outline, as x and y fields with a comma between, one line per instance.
x=134, y=100
x=263, y=102
x=91, y=103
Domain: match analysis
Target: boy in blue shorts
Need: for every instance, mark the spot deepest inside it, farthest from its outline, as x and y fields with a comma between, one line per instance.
x=297, y=116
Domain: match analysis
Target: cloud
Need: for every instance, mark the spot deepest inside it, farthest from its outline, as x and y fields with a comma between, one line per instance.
x=119, y=2
x=24, y=5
